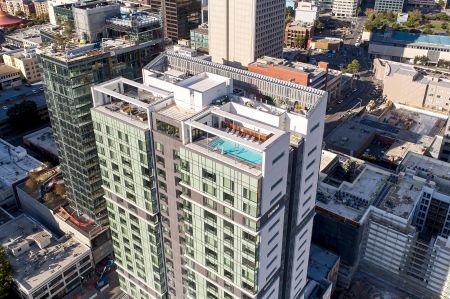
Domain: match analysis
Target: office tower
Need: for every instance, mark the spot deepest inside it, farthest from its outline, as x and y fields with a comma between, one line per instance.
x=388, y=5
x=180, y=16
x=68, y=76
x=345, y=8
x=231, y=179
x=241, y=31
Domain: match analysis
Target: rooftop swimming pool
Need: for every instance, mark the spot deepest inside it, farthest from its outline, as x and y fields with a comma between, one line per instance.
x=236, y=150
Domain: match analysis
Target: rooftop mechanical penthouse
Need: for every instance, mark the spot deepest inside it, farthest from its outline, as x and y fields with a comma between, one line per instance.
x=233, y=180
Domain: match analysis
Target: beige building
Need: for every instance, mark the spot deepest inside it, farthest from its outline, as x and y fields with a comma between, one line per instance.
x=26, y=62
x=41, y=7
x=9, y=77
x=16, y=6
x=412, y=85
x=241, y=31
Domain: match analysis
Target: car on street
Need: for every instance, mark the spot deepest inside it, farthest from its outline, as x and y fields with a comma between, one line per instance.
x=35, y=91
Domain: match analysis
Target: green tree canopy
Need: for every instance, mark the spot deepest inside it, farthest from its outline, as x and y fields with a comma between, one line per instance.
x=353, y=67
x=6, y=277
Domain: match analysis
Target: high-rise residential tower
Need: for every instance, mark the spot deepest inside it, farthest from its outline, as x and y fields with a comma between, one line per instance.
x=241, y=31
x=223, y=185
x=180, y=16
x=68, y=76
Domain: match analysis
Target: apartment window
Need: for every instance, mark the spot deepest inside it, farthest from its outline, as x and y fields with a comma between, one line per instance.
x=278, y=158
x=167, y=129
x=229, y=184
x=314, y=128
x=312, y=151
x=228, y=212
x=209, y=203
x=159, y=147
x=208, y=175
x=276, y=183
x=229, y=199
x=160, y=160
x=209, y=189
x=248, y=194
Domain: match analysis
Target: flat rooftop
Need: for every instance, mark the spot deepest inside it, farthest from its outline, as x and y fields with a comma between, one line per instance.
x=321, y=262
x=82, y=51
x=15, y=163
x=428, y=169
x=201, y=83
x=35, y=265
x=403, y=196
x=352, y=200
x=176, y=59
x=6, y=69
x=43, y=139
x=412, y=38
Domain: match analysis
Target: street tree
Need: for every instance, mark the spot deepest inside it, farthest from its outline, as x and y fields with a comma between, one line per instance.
x=6, y=277
x=353, y=67
x=299, y=41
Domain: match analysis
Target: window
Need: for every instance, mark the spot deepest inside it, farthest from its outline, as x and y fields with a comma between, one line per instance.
x=209, y=189
x=278, y=158
x=208, y=175
x=159, y=147
x=229, y=184
x=229, y=199
x=276, y=183
x=312, y=151
x=209, y=203
x=248, y=194
x=167, y=129
x=228, y=212
x=314, y=128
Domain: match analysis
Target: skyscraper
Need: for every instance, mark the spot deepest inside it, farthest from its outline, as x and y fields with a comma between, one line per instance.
x=231, y=179
x=180, y=16
x=68, y=76
x=241, y=31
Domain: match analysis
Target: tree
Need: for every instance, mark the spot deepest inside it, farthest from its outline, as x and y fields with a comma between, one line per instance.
x=6, y=277
x=444, y=26
x=23, y=115
x=299, y=41
x=421, y=59
x=60, y=189
x=31, y=187
x=19, y=13
x=353, y=67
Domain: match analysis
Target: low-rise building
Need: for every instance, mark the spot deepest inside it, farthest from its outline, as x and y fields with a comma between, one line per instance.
x=420, y=86
x=320, y=77
x=405, y=46
x=199, y=38
x=10, y=77
x=307, y=12
x=26, y=61
x=43, y=142
x=386, y=136
x=26, y=38
x=15, y=164
x=398, y=228
x=42, y=196
x=45, y=264
x=327, y=44
x=322, y=273
x=298, y=35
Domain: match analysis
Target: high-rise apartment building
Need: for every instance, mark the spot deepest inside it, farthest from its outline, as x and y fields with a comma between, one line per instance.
x=224, y=186
x=180, y=16
x=68, y=76
x=241, y=31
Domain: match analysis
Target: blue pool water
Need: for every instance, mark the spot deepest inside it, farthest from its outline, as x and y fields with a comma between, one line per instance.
x=236, y=150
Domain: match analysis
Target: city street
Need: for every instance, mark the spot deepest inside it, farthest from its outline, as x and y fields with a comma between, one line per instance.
x=352, y=99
